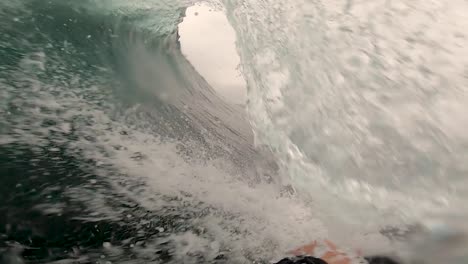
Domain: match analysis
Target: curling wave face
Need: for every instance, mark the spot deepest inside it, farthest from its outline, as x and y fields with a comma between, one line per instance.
x=109, y=133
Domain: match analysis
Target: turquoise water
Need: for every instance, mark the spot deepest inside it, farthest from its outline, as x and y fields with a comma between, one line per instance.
x=85, y=88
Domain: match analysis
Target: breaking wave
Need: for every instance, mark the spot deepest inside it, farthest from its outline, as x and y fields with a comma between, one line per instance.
x=114, y=149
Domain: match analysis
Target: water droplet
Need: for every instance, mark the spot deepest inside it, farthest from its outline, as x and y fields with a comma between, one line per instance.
x=107, y=245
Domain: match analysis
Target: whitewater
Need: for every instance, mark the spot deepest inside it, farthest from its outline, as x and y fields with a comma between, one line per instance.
x=113, y=149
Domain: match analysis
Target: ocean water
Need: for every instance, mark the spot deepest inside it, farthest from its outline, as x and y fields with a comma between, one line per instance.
x=113, y=149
